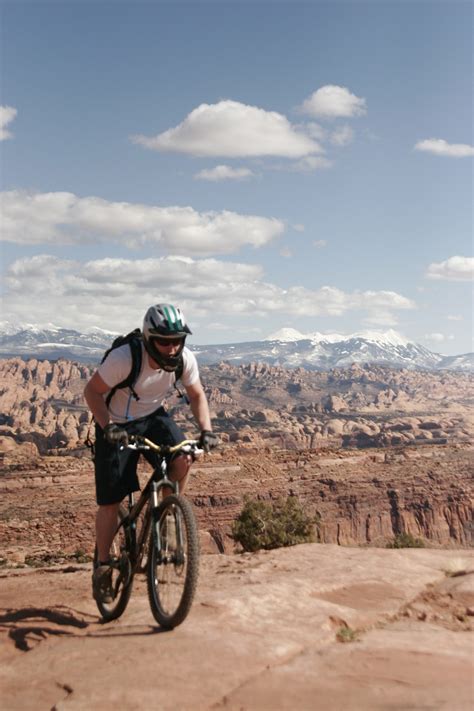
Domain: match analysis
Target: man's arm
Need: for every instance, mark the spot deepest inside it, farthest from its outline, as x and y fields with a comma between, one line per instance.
x=94, y=395
x=199, y=405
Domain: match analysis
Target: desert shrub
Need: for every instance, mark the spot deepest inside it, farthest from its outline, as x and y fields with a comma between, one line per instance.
x=346, y=634
x=406, y=540
x=40, y=560
x=275, y=524
x=81, y=556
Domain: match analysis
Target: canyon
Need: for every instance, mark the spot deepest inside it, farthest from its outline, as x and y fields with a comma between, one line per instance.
x=372, y=453
x=41, y=402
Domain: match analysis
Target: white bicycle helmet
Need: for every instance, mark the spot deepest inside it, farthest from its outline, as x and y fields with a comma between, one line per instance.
x=164, y=321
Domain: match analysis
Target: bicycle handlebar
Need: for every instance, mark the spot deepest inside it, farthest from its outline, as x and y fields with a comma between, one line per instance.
x=188, y=446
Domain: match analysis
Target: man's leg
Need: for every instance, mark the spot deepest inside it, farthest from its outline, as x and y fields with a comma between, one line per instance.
x=105, y=524
x=179, y=471
x=115, y=477
x=115, y=473
x=161, y=428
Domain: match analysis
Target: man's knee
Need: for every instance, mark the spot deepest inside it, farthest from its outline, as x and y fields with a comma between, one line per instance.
x=104, y=510
x=180, y=466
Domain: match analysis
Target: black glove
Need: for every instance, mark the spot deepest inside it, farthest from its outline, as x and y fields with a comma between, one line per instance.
x=208, y=440
x=114, y=434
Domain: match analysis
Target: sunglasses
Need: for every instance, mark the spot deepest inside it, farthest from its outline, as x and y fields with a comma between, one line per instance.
x=161, y=341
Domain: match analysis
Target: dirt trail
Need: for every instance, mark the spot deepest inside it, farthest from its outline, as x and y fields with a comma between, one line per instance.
x=262, y=634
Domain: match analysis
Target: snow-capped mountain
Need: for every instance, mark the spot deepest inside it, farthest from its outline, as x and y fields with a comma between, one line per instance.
x=389, y=337
x=52, y=342
x=287, y=347
x=287, y=335
x=459, y=362
x=317, y=351
x=375, y=347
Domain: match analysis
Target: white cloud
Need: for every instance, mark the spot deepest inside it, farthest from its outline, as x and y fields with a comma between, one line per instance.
x=316, y=131
x=332, y=101
x=452, y=269
x=64, y=218
x=114, y=293
x=310, y=163
x=286, y=252
x=7, y=114
x=223, y=172
x=381, y=318
x=342, y=136
x=319, y=243
x=230, y=128
x=434, y=337
x=384, y=299
x=452, y=317
x=440, y=147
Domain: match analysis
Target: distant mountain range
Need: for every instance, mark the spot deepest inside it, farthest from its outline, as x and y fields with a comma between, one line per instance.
x=286, y=347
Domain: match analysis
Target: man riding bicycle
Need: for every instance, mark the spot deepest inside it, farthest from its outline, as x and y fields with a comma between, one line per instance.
x=138, y=410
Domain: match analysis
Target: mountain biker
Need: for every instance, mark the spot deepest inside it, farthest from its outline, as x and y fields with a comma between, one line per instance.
x=139, y=410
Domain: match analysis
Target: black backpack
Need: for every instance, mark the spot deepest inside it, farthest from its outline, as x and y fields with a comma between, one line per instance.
x=134, y=340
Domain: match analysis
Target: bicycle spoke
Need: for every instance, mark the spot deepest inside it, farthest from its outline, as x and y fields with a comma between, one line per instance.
x=173, y=562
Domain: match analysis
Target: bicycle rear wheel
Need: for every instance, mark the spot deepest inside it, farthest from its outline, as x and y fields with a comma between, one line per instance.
x=122, y=575
x=173, y=561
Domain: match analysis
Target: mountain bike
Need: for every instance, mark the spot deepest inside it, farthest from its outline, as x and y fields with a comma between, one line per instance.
x=158, y=539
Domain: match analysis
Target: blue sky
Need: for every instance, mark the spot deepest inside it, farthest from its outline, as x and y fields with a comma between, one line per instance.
x=260, y=164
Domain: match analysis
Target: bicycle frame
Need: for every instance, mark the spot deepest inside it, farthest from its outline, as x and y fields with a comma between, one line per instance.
x=150, y=497
x=164, y=546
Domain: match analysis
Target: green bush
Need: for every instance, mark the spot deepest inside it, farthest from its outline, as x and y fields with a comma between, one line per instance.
x=347, y=634
x=268, y=525
x=40, y=560
x=406, y=540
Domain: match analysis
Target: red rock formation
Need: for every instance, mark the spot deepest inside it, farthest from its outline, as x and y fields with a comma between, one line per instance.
x=358, y=407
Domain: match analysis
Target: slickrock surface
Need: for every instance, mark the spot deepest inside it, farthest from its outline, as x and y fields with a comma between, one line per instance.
x=262, y=635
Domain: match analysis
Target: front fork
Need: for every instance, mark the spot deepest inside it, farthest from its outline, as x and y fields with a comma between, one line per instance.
x=163, y=555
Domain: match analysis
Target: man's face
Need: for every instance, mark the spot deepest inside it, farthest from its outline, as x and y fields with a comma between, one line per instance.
x=168, y=346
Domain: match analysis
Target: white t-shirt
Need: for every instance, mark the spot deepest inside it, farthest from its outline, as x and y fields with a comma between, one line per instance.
x=152, y=386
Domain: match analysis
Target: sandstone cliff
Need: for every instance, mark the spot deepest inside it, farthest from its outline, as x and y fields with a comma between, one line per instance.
x=47, y=504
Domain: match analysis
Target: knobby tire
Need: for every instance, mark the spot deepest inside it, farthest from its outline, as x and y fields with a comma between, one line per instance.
x=172, y=571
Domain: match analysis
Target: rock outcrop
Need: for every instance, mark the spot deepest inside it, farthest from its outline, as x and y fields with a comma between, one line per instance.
x=42, y=402
x=367, y=473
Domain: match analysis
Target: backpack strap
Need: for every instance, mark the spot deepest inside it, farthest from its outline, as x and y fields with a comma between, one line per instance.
x=178, y=374
x=135, y=344
x=179, y=370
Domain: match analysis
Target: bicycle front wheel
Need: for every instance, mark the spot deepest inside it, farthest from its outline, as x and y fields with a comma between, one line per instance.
x=173, y=561
x=121, y=572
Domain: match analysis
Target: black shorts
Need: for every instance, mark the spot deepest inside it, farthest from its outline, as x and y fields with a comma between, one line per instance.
x=115, y=469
